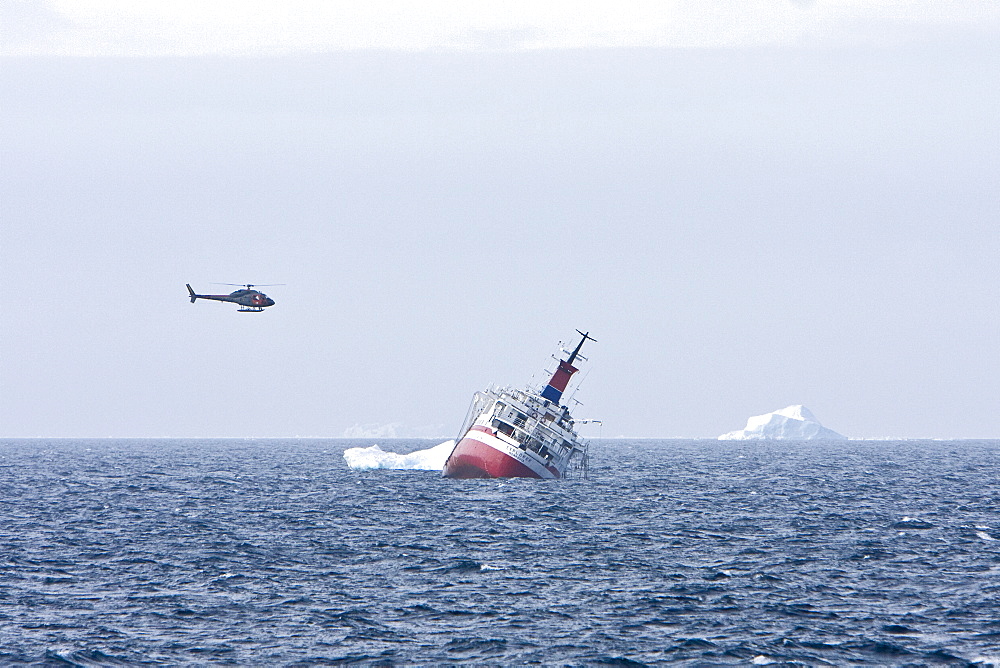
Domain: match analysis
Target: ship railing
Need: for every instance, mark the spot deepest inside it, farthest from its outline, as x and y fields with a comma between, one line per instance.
x=476, y=407
x=579, y=462
x=547, y=448
x=522, y=417
x=518, y=403
x=529, y=426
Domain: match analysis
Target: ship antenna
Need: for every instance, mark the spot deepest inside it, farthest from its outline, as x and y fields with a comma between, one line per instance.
x=586, y=337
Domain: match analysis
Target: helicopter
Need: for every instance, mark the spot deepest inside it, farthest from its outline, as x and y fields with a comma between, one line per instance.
x=250, y=300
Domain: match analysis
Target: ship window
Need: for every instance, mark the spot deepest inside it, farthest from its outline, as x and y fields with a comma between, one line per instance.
x=503, y=427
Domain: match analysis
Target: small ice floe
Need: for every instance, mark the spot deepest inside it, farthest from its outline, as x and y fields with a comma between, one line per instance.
x=984, y=535
x=374, y=457
x=761, y=660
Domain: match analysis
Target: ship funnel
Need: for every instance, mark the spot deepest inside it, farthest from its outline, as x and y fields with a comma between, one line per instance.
x=560, y=379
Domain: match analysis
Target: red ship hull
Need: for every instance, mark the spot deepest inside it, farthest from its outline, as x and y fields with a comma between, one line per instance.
x=482, y=455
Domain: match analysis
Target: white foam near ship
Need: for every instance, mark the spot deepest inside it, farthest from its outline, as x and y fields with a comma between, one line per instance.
x=791, y=423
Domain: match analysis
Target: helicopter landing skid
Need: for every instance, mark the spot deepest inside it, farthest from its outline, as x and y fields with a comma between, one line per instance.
x=251, y=309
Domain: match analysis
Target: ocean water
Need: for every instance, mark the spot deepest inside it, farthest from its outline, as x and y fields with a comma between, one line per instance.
x=274, y=552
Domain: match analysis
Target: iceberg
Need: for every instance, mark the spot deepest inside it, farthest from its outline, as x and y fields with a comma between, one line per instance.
x=371, y=431
x=792, y=423
x=374, y=457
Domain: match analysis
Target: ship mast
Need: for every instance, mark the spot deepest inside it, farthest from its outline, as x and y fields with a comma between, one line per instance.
x=557, y=385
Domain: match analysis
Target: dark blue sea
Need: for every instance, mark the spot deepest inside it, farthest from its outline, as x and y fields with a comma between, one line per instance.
x=700, y=553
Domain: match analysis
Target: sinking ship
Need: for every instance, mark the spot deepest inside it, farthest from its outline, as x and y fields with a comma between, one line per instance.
x=511, y=433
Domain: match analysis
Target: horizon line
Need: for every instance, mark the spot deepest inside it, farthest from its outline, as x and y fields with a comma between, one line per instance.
x=449, y=438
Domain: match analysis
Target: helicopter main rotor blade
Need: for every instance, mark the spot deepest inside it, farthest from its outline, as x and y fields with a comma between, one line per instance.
x=251, y=285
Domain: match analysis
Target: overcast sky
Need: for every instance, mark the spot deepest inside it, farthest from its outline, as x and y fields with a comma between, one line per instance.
x=749, y=204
